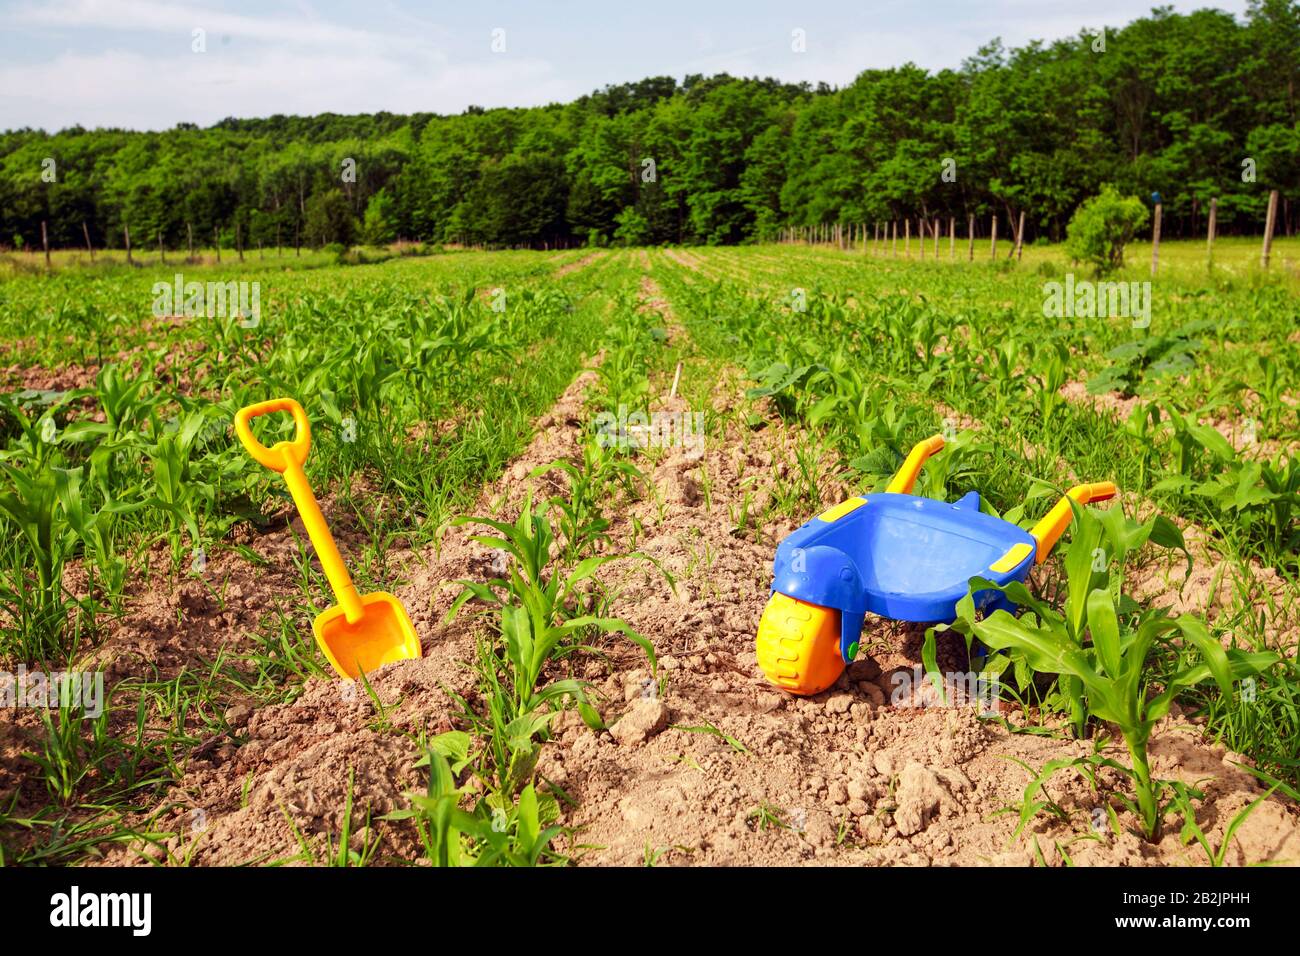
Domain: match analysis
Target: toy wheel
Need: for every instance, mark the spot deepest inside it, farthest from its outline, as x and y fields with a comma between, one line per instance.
x=798, y=645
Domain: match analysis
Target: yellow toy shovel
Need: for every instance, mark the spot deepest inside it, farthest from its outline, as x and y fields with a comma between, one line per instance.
x=361, y=632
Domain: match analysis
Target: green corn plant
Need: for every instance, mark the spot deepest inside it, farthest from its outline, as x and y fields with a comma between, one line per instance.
x=342, y=854
x=883, y=437
x=1035, y=798
x=517, y=715
x=1110, y=672
x=1181, y=801
x=542, y=588
x=96, y=531
x=1192, y=444
x=1143, y=424
x=446, y=830
x=955, y=467
x=623, y=372
x=1097, y=556
x=36, y=599
x=1005, y=372
x=38, y=439
x=487, y=835
x=177, y=487
x=522, y=839
x=536, y=626
x=1271, y=384
x=581, y=523
x=67, y=758
x=126, y=407
x=1049, y=376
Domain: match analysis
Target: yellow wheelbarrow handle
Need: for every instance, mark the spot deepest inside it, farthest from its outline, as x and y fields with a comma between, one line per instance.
x=287, y=457
x=906, y=477
x=1053, y=524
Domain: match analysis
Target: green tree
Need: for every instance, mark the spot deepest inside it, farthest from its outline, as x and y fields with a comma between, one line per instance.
x=329, y=219
x=1103, y=226
x=379, y=228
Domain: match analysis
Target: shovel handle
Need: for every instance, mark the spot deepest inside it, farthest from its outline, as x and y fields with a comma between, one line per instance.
x=278, y=456
x=287, y=458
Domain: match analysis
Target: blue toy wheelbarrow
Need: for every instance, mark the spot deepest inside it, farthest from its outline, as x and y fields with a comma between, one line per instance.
x=895, y=555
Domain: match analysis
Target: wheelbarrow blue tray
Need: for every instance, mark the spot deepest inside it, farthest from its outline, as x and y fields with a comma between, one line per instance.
x=898, y=556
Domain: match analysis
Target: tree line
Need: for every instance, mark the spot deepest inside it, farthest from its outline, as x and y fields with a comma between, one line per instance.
x=1191, y=106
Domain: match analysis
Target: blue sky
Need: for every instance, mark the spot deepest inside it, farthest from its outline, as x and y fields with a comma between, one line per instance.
x=131, y=63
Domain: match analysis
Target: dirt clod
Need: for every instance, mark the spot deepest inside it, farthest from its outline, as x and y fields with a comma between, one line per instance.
x=645, y=718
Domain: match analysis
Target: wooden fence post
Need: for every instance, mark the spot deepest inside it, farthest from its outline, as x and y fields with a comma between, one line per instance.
x=993, y=240
x=937, y=226
x=952, y=238
x=1209, y=241
x=126, y=234
x=1020, y=235
x=1270, y=221
x=907, y=237
x=970, y=235
x=189, y=240
x=85, y=231
x=894, y=252
x=920, y=236
x=45, y=241
x=1155, y=239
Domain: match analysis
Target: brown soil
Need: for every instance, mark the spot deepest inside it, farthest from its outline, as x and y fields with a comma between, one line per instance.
x=685, y=259
x=868, y=773
x=1240, y=430
x=173, y=371
x=65, y=378
x=290, y=761
x=208, y=611
x=1217, y=586
x=582, y=263
x=1116, y=405
x=875, y=771
x=653, y=300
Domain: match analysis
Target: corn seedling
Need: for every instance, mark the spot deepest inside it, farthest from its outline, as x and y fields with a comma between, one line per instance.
x=1110, y=673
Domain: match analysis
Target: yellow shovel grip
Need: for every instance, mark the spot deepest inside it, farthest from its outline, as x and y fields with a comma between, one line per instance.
x=1053, y=524
x=278, y=456
x=906, y=477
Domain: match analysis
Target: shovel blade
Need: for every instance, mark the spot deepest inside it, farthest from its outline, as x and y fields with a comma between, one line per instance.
x=383, y=635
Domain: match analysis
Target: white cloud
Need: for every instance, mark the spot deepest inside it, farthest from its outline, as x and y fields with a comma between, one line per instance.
x=127, y=89
x=128, y=62
x=178, y=19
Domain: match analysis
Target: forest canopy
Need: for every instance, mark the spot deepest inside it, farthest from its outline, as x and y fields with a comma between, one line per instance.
x=1192, y=107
